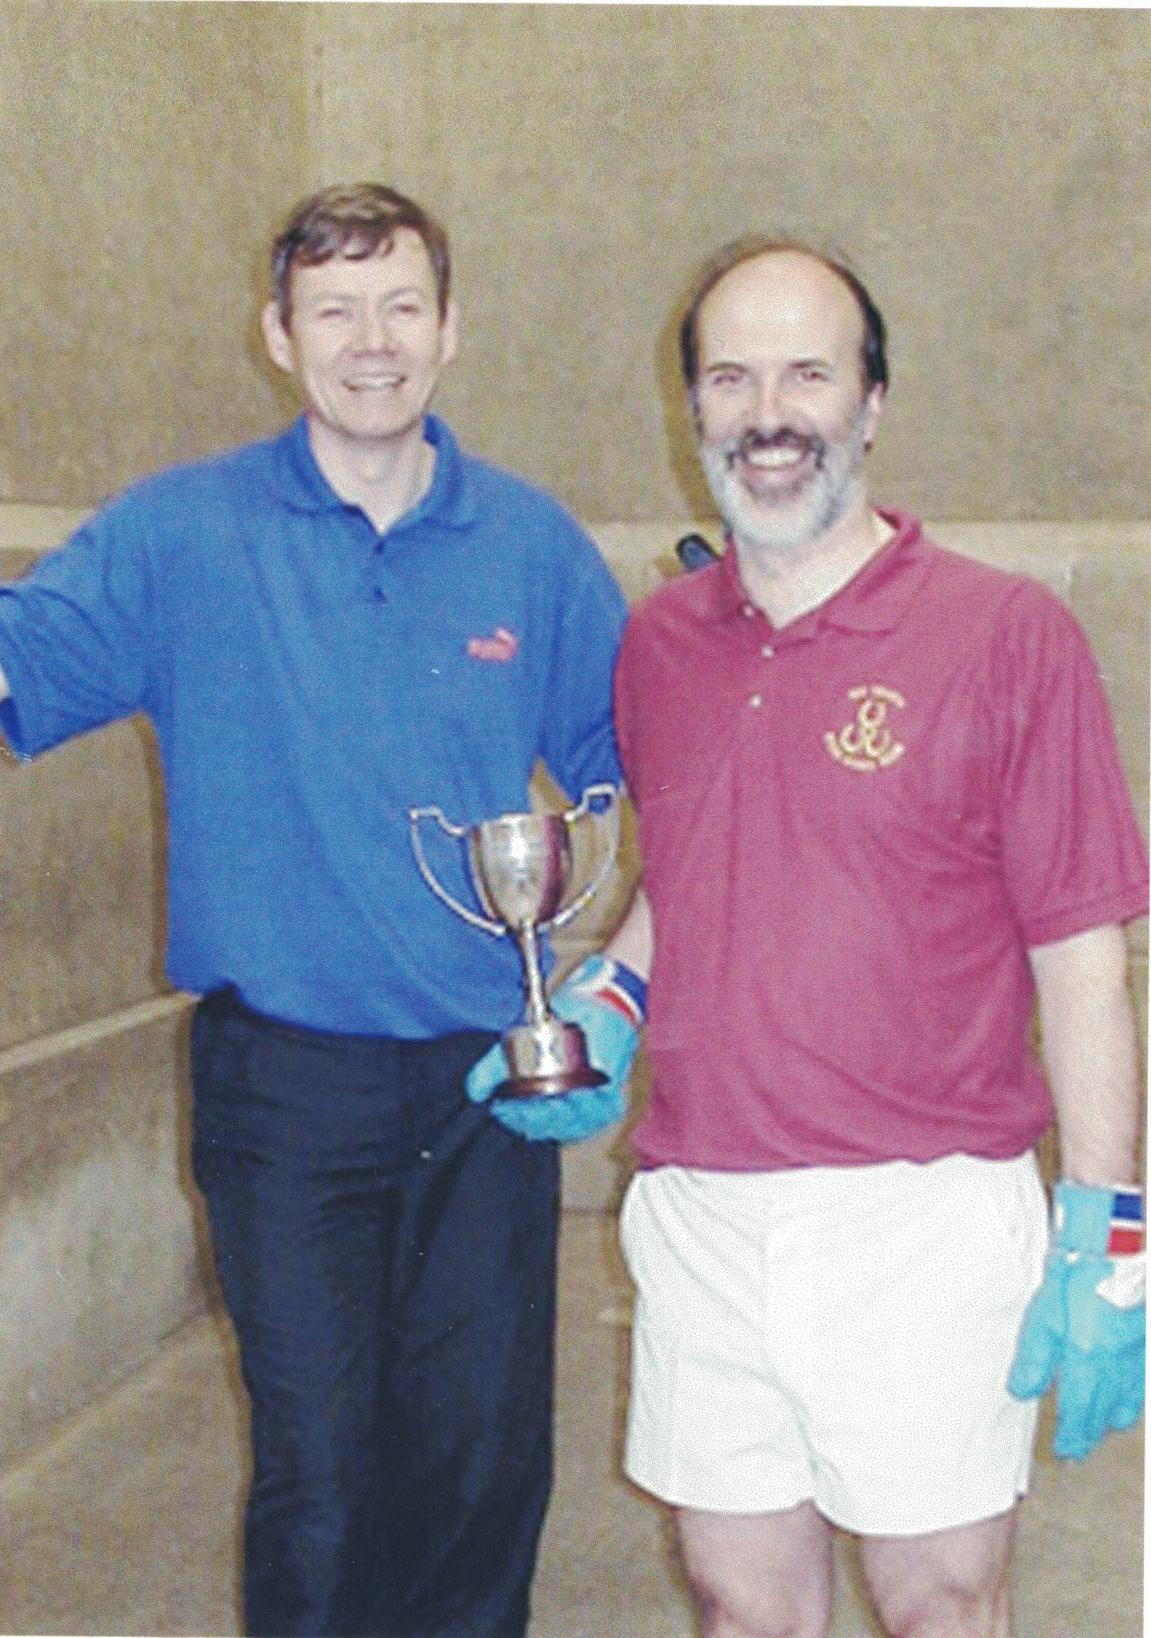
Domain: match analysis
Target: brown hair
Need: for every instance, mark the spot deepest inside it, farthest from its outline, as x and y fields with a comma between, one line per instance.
x=353, y=220
x=874, y=354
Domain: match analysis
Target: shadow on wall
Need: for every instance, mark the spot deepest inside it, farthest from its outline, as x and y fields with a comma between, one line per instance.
x=679, y=430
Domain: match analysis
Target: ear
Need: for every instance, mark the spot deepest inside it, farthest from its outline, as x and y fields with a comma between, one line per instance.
x=276, y=339
x=693, y=409
x=873, y=405
x=449, y=333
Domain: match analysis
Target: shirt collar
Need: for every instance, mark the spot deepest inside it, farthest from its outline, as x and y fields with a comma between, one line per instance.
x=873, y=600
x=302, y=486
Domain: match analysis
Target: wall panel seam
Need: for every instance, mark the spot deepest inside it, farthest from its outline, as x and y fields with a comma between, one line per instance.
x=80, y=1036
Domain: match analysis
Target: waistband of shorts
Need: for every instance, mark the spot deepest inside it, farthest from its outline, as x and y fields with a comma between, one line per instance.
x=799, y=1181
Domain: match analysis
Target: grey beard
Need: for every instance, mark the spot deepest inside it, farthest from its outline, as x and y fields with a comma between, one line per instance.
x=832, y=489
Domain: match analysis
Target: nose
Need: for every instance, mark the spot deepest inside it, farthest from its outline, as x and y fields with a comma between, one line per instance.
x=768, y=408
x=373, y=332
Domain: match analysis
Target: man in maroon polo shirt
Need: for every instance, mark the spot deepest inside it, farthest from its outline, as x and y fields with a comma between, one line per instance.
x=880, y=811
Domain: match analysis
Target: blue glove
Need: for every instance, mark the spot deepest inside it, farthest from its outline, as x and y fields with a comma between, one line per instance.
x=1086, y=1324
x=606, y=999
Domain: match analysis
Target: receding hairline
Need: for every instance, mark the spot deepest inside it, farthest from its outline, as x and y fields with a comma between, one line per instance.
x=783, y=251
x=741, y=253
x=785, y=254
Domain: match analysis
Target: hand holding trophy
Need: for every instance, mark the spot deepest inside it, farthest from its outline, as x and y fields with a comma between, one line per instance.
x=520, y=866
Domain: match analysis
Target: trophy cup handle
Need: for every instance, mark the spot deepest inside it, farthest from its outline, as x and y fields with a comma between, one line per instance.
x=610, y=816
x=415, y=816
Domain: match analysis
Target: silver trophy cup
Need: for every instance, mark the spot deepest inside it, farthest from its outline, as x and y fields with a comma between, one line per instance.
x=520, y=866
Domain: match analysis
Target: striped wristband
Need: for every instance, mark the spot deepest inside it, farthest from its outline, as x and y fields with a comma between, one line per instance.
x=1126, y=1236
x=1100, y=1219
x=617, y=986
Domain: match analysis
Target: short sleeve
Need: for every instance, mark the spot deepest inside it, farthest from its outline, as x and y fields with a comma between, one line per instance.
x=579, y=735
x=624, y=713
x=74, y=634
x=1072, y=854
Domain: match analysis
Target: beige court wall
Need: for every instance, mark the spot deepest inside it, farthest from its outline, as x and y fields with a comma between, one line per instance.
x=985, y=168
x=146, y=149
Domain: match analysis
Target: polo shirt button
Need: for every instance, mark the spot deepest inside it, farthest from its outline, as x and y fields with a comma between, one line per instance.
x=755, y=701
x=767, y=651
x=749, y=610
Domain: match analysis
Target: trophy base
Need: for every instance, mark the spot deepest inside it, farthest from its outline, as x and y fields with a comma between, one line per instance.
x=547, y=1058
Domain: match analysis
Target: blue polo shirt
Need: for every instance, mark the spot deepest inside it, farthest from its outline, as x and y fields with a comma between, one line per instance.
x=310, y=680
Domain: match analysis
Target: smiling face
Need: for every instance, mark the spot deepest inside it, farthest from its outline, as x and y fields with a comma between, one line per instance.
x=366, y=344
x=782, y=410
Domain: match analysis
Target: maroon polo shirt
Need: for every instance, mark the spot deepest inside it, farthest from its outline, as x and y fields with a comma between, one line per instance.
x=853, y=828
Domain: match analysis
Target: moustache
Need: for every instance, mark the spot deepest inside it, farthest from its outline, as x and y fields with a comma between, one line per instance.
x=753, y=441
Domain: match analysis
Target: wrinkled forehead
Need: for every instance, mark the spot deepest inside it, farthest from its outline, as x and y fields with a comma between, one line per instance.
x=782, y=304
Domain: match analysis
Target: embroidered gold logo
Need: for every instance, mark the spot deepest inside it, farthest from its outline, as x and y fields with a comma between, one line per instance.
x=868, y=743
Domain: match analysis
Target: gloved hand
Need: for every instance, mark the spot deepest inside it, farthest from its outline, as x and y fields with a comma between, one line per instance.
x=607, y=1000
x=1086, y=1324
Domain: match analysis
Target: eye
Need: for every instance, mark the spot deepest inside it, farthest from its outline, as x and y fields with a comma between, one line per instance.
x=331, y=310
x=813, y=372
x=724, y=376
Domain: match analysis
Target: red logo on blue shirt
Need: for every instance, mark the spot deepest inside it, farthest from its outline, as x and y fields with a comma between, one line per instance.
x=502, y=645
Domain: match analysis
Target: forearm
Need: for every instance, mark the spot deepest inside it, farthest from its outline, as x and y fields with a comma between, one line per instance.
x=633, y=942
x=1088, y=1030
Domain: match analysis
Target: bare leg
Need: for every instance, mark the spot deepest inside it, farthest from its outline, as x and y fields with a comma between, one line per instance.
x=952, y=1584
x=759, y=1575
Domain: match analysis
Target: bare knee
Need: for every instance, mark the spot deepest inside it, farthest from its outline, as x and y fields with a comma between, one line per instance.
x=954, y=1584
x=736, y=1606
x=759, y=1575
x=947, y=1612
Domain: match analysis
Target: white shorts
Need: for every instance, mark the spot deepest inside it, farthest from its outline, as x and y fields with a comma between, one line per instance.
x=839, y=1336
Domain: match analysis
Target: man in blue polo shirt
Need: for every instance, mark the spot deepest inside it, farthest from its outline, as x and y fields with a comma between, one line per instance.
x=327, y=629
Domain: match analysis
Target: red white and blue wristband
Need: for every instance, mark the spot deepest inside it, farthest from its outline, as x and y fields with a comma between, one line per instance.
x=1127, y=1235
x=620, y=988
x=1101, y=1220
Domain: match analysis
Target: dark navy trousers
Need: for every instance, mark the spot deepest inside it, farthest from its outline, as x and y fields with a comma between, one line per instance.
x=387, y=1253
